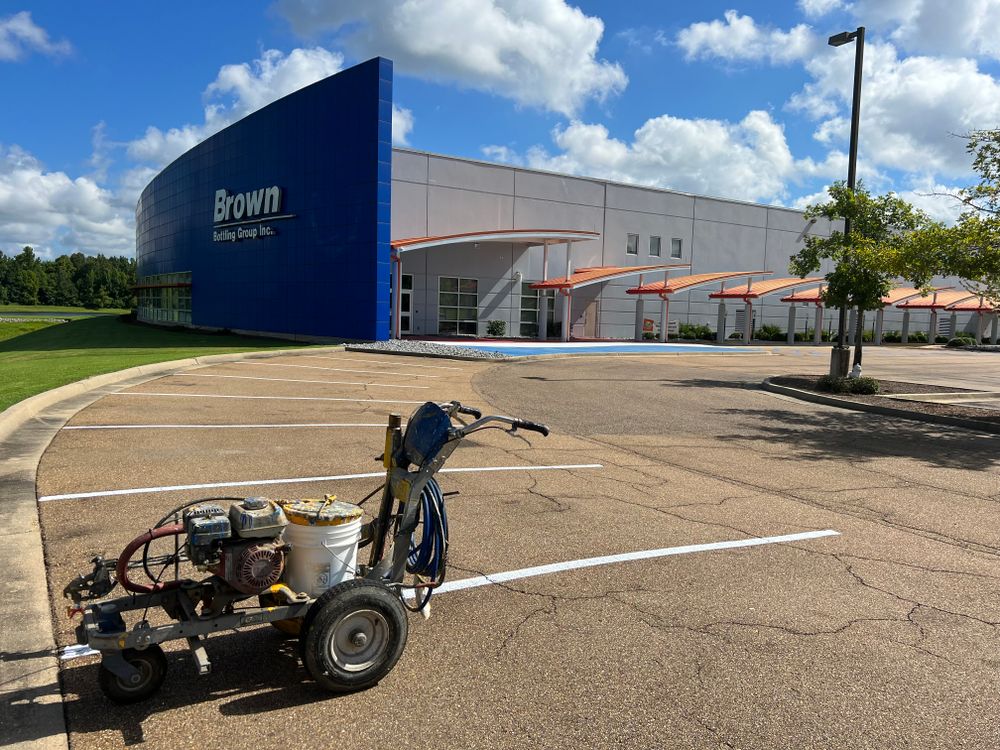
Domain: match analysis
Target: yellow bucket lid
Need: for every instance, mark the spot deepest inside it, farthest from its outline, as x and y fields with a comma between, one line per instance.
x=326, y=512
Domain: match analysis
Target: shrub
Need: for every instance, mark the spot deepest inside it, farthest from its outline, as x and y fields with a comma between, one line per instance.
x=648, y=335
x=918, y=337
x=961, y=341
x=735, y=335
x=892, y=337
x=861, y=386
x=496, y=328
x=857, y=386
x=940, y=339
x=770, y=333
x=691, y=331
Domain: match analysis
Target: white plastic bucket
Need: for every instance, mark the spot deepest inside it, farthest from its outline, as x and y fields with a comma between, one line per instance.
x=321, y=556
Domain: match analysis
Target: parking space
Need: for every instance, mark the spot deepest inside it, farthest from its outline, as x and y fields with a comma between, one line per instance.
x=870, y=622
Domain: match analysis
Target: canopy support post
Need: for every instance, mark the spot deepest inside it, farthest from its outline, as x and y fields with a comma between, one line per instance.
x=664, y=317
x=639, y=312
x=995, y=334
x=954, y=324
x=748, y=322
x=879, y=324
x=567, y=303
x=542, y=313
x=720, y=323
x=979, y=326
x=932, y=327
x=397, y=293
x=791, y=323
x=852, y=326
x=905, y=337
x=818, y=329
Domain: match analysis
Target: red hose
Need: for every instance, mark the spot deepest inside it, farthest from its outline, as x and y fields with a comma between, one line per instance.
x=121, y=569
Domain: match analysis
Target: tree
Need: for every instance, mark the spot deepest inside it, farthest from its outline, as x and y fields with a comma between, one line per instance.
x=971, y=248
x=869, y=259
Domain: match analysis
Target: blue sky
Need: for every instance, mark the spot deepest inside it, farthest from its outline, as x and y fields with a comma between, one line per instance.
x=738, y=99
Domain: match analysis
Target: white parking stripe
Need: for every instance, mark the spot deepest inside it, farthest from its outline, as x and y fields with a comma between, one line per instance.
x=380, y=362
x=267, y=398
x=340, y=369
x=218, y=426
x=296, y=480
x=76, y=652
x=295, y=380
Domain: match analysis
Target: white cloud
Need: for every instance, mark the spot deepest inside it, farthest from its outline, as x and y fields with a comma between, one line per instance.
x=402, y=124
x=819, y=8
x=739, y=38
x=238, y=90
x=910, y=107
x=19, y=36
x=937, y=200
x=952, y=28
x=537, y=52
x=748, y=160
x=53, y=212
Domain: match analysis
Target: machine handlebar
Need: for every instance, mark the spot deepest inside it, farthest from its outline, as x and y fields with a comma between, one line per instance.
x=525, y=424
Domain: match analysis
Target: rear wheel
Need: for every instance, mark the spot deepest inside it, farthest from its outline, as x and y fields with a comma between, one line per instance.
x=152, y=666
x=353, y=635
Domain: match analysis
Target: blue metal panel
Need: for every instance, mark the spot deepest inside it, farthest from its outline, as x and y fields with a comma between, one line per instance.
x=325, y=272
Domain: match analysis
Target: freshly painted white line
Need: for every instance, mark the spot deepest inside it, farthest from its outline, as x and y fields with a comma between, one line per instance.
x=296, y=480
x=76, y=652
x=340, y=369
x=268, y=398
x=590, y=562
x=379, y=362
x=217, y=426
x=295, y=380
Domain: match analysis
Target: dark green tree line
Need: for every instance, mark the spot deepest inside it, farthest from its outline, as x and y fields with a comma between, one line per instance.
x=76, y=280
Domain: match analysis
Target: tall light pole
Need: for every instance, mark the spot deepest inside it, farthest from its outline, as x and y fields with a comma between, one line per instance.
x=840, y=354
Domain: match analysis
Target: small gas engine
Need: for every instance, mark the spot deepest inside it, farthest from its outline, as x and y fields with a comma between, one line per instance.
x=242, y=547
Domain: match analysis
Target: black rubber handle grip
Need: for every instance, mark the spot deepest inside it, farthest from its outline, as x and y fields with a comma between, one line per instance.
x=524, y=424
x=471, y=411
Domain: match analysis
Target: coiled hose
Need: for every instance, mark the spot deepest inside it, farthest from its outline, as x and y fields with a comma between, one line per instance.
x=428, y=556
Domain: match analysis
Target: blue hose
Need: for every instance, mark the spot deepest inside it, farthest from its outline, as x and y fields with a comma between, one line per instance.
x=427, y=556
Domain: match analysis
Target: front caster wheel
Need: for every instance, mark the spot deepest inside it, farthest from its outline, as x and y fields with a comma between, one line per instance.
x=353, y=635
x=152, y=666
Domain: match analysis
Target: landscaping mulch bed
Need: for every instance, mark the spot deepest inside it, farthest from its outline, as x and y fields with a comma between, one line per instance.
x=808, y=383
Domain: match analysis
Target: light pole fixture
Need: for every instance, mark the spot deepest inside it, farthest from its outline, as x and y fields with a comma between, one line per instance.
x=840, y=354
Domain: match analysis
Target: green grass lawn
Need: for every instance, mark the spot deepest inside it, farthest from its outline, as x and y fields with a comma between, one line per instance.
x=7, y=309
x=41, y=355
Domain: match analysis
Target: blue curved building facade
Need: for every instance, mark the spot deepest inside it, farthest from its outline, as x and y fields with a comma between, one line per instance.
x=279, y=223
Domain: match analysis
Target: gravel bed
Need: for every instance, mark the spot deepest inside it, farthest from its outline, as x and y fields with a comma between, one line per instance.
x=808, y=383
x=425, y=348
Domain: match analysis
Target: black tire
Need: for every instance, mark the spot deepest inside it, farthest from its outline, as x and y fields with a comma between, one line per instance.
x=152, y=666
x=353, y=635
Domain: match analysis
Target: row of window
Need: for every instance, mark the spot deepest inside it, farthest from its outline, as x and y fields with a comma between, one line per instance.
x=632, y=246
x=162, y=299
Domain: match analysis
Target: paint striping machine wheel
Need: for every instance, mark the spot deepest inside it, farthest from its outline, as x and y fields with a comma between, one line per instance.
x=152, y=666
x=353, y=635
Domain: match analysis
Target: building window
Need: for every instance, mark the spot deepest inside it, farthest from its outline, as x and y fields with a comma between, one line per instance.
x=632, y=247
x=654, y=247
x=531, y=301
x=458, y=306
x=164, y=298
x=676, y=248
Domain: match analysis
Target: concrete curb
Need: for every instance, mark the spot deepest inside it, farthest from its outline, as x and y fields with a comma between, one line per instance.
x=885, y=411
x=31, y=701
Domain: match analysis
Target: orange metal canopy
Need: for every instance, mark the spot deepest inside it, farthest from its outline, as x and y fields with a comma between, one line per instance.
x=761, y=288
x=898, y=294
x=808, y=295
x=516, y=236
x=585, y=276
x=936, y=301
x=672, y=286
x=975, y=304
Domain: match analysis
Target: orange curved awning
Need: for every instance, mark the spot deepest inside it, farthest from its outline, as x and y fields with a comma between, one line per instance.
x=975, y=304
x=515, y=236
x=761, y=288
x=935, y=301
x=814, y=296
x=596, y=274
x=672, y=286
x=904, y=293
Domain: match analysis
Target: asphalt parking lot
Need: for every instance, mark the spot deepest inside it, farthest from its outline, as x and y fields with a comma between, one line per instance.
x=880, y=635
